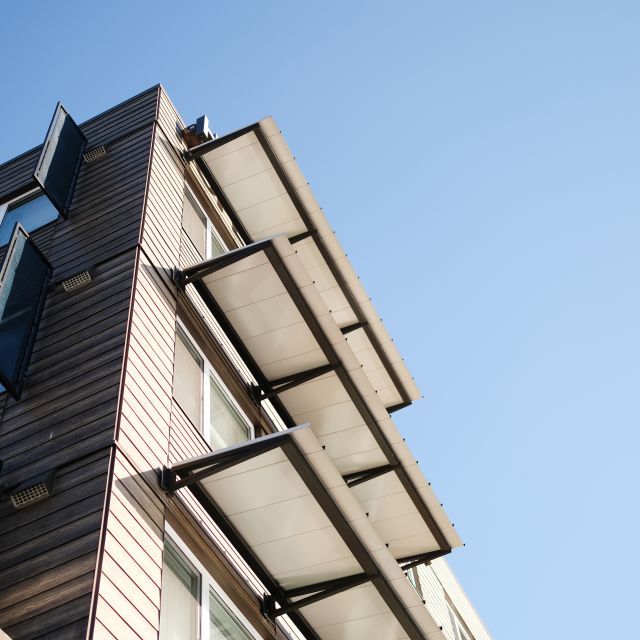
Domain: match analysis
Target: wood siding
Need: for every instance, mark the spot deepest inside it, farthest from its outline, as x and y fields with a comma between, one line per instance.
x=152, y=429
x=439, y=586
x=98, y=405
x=66, y=416
x=128, y=595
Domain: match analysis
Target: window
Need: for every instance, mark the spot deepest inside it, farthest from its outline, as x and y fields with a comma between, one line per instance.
x=32, y=212
x=192, y=606
x=60, y=160
x=459, y=630
x=223, y=623
x=204, y=398
x=23, y=287
x=187, y=380
x=199, y=228
x=179, y=611
x=414, y=579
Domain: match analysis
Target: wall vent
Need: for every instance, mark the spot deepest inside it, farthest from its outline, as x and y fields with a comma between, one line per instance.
x=33, y=490
x=95, y=154
x=76, y=281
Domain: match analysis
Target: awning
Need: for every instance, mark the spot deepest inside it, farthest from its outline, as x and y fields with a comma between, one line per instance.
x=266, y=302
x=266, y=194
x=282, y=503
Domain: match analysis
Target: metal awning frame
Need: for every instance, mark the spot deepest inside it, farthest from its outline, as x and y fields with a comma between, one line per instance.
x=197, y=153
x=194, y=275
x=189, y=473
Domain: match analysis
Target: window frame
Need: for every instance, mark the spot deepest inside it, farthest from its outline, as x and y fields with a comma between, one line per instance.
x=24, y=196
x=460, y=630
x=207, y=581
x=208, y=372
x=210, y=228
x=6, y=384
x=414, y=580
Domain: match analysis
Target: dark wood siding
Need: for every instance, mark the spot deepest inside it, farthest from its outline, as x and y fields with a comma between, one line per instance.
x=66, y=417
x=98, y=404
x=17, y=174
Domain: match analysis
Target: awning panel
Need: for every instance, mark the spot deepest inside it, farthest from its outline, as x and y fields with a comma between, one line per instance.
x=359, y=613
x=265, y=296
x=298, y=550
x=288, y=511
x=269, y=195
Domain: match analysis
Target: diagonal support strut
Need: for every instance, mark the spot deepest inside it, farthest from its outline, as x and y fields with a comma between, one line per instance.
x=358, y=477
x=320, y=591
x=289, y=382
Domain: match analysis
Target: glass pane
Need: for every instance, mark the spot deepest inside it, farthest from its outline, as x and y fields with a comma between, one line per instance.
x=57, y=166
x=24, y=276
x=32, y=213
x=223, y=623
x=226, y=425
x=187, y=379
x=412, y=576
x=180, y=599
x=194, y=224
x=217, y=248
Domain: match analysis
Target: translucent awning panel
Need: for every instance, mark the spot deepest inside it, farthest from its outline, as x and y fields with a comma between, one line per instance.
x=266, y=300
x=286, y=508
x=262, y=182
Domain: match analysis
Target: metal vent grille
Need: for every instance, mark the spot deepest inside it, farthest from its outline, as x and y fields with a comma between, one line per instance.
x=29, y=495
x=33, y=490
x=94, y=154
x=76, y=281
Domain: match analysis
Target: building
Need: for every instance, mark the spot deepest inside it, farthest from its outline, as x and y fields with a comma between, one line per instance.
x=195, y=433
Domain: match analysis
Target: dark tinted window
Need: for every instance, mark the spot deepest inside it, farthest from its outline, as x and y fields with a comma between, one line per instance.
x=32, y=213
x=60, y=159
x=23, y=281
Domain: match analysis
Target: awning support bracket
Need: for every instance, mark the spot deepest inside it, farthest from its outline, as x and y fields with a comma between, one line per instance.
x=183, y=277
x=198, y=152
x=397, y=407
x=303, y=236
x=358, y=477
x=197, y=272
x=319, y=592
x=186, y=474
x=289, y=382
x=353, y=327
x=423, y=558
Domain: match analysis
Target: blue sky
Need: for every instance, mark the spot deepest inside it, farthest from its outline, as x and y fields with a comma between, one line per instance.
x=479, y=162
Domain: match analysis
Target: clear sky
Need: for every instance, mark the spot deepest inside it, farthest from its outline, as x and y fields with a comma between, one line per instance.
x=479, y=162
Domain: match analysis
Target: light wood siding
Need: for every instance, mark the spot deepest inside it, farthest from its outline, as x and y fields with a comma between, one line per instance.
x=129, y=593
x=152, y=429
x=170, y=122
x=440, y=572
x=435, y=600
x=186, y=443
x=66, y=417
x=128, y=597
